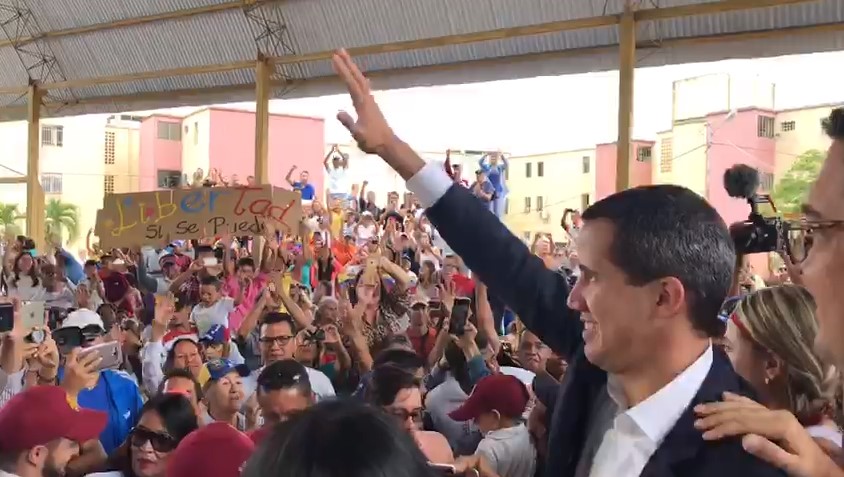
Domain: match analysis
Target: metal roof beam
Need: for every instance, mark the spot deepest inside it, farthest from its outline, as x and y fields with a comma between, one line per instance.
x=499, y=34
x=192, y=96
x=724, y=6
x=129, y=22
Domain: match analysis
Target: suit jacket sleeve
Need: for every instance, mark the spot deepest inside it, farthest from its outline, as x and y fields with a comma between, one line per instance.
x=504, y=263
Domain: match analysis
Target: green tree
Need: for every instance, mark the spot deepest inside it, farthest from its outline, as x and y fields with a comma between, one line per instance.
x=62, y=218
x=791, y=190
x=9, y=216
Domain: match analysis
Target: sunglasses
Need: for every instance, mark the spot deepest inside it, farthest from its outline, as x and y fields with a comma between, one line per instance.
x=160, y=442
x=403, y=414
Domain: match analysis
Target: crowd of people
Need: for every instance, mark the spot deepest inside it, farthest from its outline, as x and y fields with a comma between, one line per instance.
x=422, y=338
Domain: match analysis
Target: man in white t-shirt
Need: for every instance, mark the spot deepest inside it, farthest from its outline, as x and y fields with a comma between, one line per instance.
x=338, y=175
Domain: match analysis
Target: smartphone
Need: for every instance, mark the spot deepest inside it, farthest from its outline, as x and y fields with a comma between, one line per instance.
x=110, y=353
x=209, y=261
x=459, y=315
x=32, y=314
x=443, y=469
x=7, y=317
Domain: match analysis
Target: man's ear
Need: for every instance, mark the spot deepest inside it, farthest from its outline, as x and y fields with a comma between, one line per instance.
x=671, y=295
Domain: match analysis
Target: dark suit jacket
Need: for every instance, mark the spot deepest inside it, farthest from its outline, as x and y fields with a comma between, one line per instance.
x=538, y=296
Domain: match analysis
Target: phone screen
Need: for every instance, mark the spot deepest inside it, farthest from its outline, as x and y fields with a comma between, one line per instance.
x=459, y=315
x=7, y=317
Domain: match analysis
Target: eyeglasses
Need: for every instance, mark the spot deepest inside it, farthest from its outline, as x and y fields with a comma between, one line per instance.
x=160, y=441
x=282, y=340
x=403, y=414
x=801, y=235
x=729, y=306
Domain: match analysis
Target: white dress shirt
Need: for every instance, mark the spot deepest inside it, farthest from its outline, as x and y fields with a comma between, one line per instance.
x=637, y=432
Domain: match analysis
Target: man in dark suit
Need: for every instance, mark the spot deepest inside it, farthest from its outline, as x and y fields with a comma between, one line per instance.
x=656, y=265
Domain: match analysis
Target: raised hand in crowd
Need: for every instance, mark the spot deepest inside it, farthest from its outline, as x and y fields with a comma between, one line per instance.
x=164, y=309
x=772, y=435
x=80, y=371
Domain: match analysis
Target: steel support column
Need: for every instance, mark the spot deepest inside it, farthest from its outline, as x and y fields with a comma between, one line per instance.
x=626, y=69
x=34, y=209
x=262, y=121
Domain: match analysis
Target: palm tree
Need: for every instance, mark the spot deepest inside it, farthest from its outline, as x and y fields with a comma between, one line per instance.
x=61, y=217
x=9, y=216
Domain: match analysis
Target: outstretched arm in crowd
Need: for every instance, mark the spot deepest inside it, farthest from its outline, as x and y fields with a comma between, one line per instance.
x=486, y=323
x=522, y=281
x=289, y=175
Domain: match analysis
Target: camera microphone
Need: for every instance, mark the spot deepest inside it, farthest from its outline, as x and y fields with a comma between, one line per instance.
x=741, y=181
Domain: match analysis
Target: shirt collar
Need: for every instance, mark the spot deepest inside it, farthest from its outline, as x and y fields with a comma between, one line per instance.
x=656, y=415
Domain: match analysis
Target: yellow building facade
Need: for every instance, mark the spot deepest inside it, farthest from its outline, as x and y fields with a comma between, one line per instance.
x=542, y=186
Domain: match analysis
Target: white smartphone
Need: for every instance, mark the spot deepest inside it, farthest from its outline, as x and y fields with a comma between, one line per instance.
x=110, y=353
x=209, y=261
x=32, y=314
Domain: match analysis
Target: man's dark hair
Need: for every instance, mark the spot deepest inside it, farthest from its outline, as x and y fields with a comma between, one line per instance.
x=246, y=262
x=91, y=263
x=211, y=280
x=275, y=317
x=181, y=373
x=400, y=358
x=285, y=374
x=386, y=382
x=203, y=249
x=833, y=126
x=669, y=231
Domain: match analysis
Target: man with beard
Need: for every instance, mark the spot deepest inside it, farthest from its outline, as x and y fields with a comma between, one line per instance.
x=40, y=432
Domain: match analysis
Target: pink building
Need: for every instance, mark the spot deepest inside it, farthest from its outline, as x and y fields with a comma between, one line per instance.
x=740, y=137
x=606, y=171
x=173, y=148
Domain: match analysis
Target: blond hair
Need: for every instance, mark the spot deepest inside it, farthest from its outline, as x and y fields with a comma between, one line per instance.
x=781, y=320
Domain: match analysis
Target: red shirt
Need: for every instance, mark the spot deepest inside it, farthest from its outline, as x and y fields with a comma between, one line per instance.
x=424, y=344
x=260, y=434
x=116, y=286
x=464, y=286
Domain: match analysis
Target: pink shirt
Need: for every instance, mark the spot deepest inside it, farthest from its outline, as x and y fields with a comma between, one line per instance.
x=231, y=287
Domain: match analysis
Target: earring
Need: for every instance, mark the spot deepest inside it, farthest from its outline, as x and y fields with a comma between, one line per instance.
x=767, y=381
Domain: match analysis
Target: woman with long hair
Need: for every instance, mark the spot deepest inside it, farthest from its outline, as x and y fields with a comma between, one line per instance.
x=770, y=340
x=165, y=420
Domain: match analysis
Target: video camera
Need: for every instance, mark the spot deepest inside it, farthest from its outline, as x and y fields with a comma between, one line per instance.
x=757, y=234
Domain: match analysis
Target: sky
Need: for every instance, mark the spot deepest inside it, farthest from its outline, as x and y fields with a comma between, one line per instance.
x=561, y=113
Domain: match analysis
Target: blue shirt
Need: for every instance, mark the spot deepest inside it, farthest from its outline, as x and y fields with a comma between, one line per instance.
x=73, y=269
x=306, y=190
x=495, y=174
x=117, y=394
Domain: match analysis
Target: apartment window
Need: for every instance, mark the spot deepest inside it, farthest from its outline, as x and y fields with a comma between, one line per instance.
x=527, y=169
x=666, y=155
x=168, y=179
x=540, y=202
x=585, y=201
x=643, y=153
x=195, y=133
x=586, y=164
x=765, y=126
x=766, y=181
x=108, y=184
x=527, y=204
x=126, y=117
x=169, y=131
x=540, y=169
x=52, y=183
x=787, y=126
x=52, y=136
x=109, y=147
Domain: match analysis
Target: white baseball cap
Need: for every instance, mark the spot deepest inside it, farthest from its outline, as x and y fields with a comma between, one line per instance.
x=83, y=318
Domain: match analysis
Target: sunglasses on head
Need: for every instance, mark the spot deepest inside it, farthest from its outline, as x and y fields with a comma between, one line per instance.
x=160, y=441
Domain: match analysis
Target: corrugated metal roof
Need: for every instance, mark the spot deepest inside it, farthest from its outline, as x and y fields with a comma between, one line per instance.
x=320, y=25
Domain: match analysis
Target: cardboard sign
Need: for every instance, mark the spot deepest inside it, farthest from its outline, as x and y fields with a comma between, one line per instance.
x=150, y=218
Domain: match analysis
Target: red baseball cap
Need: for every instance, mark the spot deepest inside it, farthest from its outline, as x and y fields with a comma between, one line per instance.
x=498, y=392
x=42, y=414
x=217, y=449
